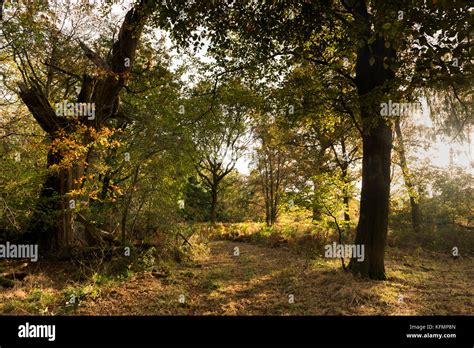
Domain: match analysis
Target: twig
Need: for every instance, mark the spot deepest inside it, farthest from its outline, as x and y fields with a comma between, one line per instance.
x=340, y=237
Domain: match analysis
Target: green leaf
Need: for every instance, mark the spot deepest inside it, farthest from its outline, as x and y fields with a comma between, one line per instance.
x=387, y=26
x=372, y=61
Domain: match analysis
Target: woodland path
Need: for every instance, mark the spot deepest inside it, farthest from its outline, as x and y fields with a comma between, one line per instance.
x=260, y=281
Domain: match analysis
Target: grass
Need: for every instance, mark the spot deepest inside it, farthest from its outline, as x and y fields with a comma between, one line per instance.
x=257, y=282
x=37, y=301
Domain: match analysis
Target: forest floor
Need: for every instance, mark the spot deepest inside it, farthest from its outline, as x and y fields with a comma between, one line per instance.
x=260, y=281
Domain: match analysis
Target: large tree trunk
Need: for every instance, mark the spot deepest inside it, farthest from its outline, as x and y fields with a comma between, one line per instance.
x=65, y=235
x=52, y=223
x=46, y=211
x=411, y=188
x=374, y=204
x=372, y=79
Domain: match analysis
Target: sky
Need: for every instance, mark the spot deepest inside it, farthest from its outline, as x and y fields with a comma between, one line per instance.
x=444, y=151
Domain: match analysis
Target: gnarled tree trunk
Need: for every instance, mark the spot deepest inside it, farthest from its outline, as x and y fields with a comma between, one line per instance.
x=53, y=220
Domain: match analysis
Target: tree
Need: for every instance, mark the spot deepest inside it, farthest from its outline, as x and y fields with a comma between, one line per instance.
x=273, y=163
x=196, y=199
x=407, y=176
x=71, y=138
x=318, y=124
x=221, y=138
x=388, y=46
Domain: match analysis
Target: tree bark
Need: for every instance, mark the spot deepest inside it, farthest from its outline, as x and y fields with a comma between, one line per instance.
x=371, y=80
x=52, y=221
x=374, y=204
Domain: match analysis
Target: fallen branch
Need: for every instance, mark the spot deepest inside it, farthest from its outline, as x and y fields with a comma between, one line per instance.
x=94, y=232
